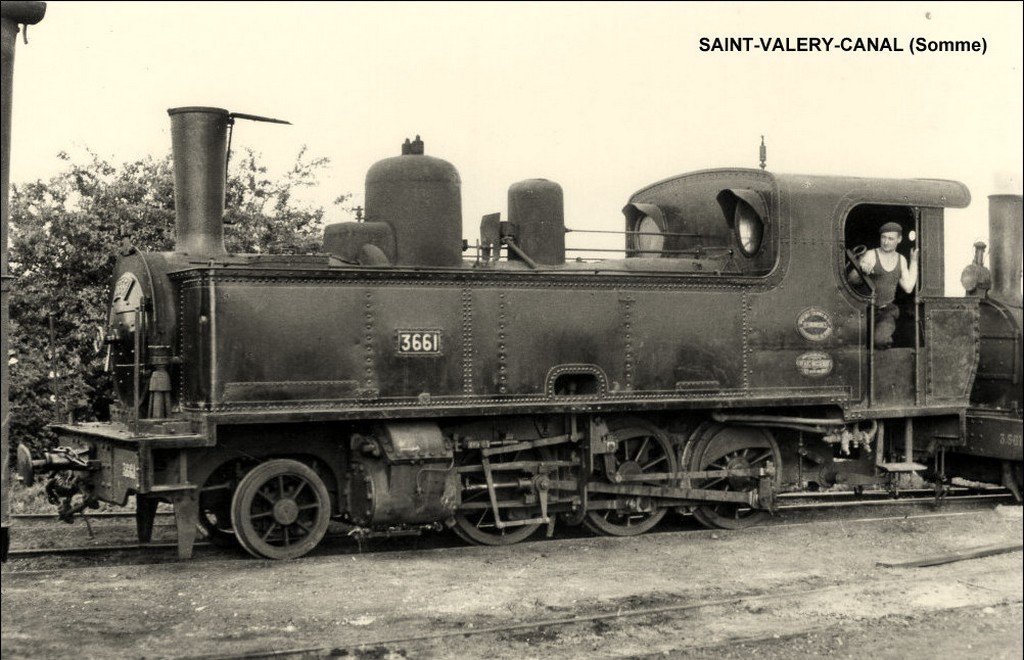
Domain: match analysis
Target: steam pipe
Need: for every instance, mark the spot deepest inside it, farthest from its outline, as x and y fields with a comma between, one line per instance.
x=756, y=419
x=12, y=14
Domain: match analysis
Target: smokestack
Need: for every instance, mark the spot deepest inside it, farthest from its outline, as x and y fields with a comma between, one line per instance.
x=199, y=143
x=1004, y=236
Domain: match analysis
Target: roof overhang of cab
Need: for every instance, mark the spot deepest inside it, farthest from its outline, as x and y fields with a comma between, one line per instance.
x=933, y=193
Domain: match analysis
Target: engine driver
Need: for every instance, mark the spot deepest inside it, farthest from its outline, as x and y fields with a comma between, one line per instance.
x=886, y=267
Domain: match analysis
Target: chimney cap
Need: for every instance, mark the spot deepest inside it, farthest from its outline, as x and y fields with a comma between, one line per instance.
x=197, y=108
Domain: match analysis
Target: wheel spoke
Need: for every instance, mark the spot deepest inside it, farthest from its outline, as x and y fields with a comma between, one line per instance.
x=766, y=455
x=472, y=497
x=713, y=482
x=254, y=516
x=269, y=531
x=653, y=463
x=643, y=446
x=302, y=484
x=265, y=496
x=280, y=486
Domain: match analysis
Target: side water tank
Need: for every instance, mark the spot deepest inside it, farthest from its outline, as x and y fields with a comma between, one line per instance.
x=420, y=198
x=536, y=209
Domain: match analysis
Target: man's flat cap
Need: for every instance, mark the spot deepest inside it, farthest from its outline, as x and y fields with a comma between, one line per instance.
x=891, y=226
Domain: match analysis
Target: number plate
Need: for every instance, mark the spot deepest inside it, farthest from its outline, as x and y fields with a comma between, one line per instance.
x=418, y=342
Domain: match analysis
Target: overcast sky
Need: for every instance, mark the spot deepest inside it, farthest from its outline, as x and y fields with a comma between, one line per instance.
x=602, y=98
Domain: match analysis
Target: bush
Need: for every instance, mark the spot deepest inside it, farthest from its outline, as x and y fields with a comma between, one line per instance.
x=64, y=238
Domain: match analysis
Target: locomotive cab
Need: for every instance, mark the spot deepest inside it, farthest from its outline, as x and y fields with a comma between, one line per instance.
x=934, y=339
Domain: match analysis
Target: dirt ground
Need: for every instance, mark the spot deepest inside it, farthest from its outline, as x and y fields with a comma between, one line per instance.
x=778, y=592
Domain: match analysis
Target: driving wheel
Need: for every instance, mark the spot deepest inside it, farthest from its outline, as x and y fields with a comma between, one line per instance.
x=641, y=448
x=280, y=509
x=474, y=521
x=736, y=448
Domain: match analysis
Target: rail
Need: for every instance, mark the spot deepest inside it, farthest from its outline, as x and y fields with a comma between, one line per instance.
x=793, y=502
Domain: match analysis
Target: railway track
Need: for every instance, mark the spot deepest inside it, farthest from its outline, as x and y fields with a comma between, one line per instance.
x=379, y=647
x=791, y=502
x=615, y=622
x=98, y=515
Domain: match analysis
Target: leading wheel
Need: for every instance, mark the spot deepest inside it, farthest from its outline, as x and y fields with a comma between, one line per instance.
x=474, y=521
x=641, y=448
x=280, y=509
x=736, y=448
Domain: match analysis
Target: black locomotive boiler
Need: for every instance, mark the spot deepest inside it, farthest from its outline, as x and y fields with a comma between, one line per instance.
x=398, y=381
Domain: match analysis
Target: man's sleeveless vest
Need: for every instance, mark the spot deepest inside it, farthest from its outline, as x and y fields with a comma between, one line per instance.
x=885, y=280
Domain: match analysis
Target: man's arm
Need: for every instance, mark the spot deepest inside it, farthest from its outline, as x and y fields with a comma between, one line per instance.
x=908, y=277
x=867, y=262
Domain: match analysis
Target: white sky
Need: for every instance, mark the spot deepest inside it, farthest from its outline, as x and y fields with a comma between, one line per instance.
x=602, y=98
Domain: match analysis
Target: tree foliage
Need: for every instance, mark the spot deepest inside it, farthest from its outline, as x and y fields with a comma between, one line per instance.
x=65, y=234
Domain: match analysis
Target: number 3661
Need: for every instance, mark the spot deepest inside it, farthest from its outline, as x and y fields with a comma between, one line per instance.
x=419, y=342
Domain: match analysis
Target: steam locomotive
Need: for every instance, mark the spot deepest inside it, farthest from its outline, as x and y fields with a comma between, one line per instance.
x=402, y=381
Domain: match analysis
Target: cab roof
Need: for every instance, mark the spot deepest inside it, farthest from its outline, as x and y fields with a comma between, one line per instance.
x=937, y=193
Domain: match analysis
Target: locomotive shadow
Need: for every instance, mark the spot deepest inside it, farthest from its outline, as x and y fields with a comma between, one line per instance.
x=338, y=543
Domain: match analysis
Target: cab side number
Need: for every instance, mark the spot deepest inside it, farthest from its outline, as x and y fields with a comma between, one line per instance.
x=419, y=342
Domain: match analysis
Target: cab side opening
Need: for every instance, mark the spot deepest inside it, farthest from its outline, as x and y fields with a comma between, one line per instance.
x=861, y=234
